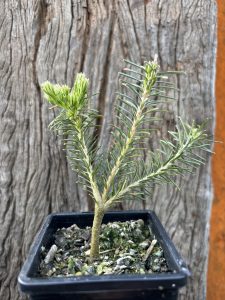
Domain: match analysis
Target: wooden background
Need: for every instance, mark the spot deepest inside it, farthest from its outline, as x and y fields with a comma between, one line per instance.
x=44, y=39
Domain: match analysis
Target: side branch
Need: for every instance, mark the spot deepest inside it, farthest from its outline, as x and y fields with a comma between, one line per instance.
x=90, y=172
x=162, y=170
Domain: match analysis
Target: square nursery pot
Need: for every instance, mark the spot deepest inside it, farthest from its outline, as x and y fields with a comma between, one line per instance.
x=132, y=287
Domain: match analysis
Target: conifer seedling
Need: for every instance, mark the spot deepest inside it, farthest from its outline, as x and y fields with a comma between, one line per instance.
x=122, y=173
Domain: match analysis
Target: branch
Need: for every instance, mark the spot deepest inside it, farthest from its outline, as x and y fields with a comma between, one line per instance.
x=75, y=120
x=143, y=92
x=90, y=172
x=126, y=147
x=194, y=136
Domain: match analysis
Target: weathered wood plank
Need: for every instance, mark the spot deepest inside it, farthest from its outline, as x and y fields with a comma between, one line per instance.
x=54, y=40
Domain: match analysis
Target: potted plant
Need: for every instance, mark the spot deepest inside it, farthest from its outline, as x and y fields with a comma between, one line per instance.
x=141, y=261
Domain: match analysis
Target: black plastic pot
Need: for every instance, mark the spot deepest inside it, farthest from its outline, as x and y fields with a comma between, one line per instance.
x=107, y=287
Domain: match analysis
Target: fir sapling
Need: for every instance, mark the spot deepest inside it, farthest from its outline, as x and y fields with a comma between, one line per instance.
x=114, y=176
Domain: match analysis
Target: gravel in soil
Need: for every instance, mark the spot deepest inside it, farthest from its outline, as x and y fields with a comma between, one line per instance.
x=125, y=248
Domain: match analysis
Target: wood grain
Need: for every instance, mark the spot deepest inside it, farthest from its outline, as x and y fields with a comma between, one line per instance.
x=53, y=40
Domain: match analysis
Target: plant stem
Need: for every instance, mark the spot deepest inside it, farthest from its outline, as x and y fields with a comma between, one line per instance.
x=99, y=205
x=96, y=230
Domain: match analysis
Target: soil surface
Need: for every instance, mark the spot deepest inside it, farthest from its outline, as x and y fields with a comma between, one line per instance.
x=125, y=248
